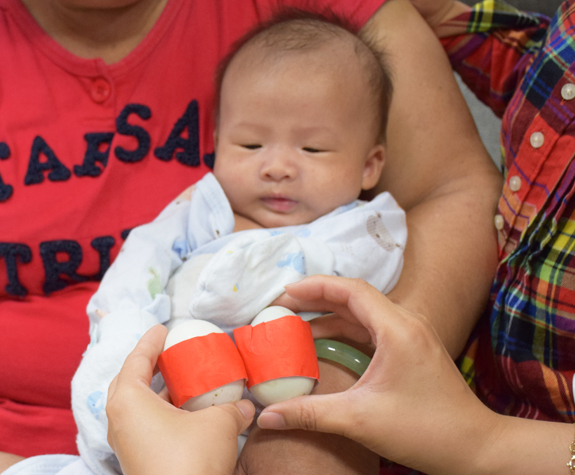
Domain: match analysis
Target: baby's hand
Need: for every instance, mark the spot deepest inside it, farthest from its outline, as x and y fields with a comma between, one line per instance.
x=242, y=223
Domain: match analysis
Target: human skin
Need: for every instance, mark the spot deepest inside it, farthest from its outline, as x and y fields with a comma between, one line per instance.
x=300, y=128
x=439, y=172
x=435, y=167
x=414, y=407
x=106, y=29
x=174, y=441
x=437, y=12
x=7, y=460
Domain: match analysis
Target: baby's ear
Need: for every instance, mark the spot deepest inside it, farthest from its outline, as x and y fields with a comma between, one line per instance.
x=373, y=167
x=215, y=138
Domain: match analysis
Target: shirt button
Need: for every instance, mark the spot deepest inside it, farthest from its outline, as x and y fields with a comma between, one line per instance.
x=537, y=139
x=568, y=91
x=100, y=90
x=499, y=222
x=515, y=183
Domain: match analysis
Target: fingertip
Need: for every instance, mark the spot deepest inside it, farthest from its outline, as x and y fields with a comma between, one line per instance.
x=247, y=409
x=159, y=329
x=271, y=420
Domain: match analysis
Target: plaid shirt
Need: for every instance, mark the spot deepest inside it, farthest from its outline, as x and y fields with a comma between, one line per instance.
x=521, y=359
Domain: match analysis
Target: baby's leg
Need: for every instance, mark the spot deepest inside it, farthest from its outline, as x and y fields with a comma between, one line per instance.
x=300, y=452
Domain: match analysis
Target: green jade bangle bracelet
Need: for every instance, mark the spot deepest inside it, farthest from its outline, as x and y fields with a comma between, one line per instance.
x=343, y=354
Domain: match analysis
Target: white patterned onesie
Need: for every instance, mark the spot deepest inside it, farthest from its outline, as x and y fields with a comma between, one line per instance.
x=188, y=263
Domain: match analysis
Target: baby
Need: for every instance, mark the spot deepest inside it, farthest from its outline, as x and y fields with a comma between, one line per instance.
x=301, y=118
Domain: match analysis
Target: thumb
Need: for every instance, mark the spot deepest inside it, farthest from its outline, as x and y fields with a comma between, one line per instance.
x=242, y=413
x=320, y=413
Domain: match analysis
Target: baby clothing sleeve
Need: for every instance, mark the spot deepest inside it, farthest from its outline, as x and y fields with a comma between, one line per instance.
x=369, y=242
x=131, y=299
x=250, y=272
x=362, y=240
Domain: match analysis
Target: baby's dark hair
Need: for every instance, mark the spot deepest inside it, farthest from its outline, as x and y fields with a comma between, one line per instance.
x=298, y=30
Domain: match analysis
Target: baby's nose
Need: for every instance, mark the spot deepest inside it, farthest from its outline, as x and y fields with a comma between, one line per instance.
x=279, y=165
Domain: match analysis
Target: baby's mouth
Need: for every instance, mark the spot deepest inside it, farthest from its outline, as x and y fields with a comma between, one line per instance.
x=281, y=204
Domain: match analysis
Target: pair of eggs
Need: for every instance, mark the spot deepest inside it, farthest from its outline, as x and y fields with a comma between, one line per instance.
x=267, y=392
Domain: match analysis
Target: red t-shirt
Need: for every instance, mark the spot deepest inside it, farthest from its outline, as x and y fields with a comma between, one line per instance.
x=87, y=152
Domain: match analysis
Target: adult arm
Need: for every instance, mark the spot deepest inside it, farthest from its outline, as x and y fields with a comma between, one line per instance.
x=440, y=173
x=414, y=407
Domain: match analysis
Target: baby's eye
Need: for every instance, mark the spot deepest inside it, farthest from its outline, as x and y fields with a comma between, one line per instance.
x=252, y=146
x=312, y=150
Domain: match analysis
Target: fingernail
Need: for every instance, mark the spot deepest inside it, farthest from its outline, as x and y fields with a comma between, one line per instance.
x=271, y=420
x=246, y=408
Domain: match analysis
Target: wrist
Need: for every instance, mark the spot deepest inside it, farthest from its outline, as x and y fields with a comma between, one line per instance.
x=518, y=446
x=476, y=449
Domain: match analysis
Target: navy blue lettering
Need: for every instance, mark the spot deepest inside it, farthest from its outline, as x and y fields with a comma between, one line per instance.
x=4, y=151
x=95, y=154
x=136, y=131
x=36, y=168
x=103, y=245
x=54, y=269
x=12, y=253
x=5, y=190
x=190, y=147
x=125, y=233
x=210, y=159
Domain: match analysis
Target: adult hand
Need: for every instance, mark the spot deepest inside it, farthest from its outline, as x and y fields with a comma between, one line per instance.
x=411, y=405
x=150, y=436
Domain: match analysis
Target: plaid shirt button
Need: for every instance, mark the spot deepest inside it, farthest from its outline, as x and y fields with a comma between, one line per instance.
x=568, y=91
x=537, y=139
x=515, y=183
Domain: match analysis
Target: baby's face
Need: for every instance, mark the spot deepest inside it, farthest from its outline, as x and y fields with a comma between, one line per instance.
x=295, y=138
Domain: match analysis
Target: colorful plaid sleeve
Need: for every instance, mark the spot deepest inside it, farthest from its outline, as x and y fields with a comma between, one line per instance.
x=499, y=45
x=521, y=357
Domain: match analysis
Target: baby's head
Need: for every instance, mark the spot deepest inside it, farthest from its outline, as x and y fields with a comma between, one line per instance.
x=302, y=112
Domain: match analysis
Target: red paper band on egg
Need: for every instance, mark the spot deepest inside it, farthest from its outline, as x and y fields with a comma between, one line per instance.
x=277, y=349
x=198, y=365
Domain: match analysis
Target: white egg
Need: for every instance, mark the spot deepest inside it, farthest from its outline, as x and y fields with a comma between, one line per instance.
x=271, y=313
x=230, y=392
x=280, y=389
